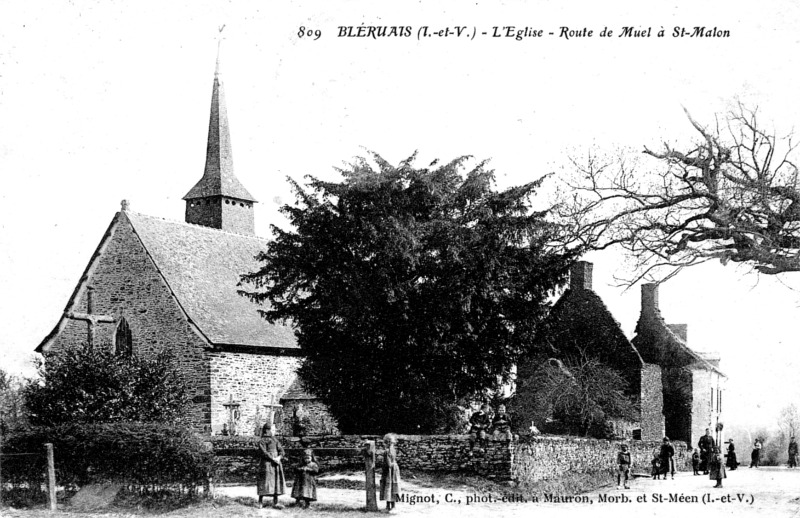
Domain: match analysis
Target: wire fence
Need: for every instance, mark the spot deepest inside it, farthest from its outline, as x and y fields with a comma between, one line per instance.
x=49, y=473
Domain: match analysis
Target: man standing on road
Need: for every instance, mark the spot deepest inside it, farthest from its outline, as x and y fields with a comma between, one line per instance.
x=755, y=457
x=665, y=455
x=706, y=445
x=792, y=453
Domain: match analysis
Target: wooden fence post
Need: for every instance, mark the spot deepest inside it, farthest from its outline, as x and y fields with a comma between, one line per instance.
x=51, y=476
x=369, y=470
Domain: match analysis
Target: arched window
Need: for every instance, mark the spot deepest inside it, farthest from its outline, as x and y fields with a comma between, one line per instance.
x=123, y=340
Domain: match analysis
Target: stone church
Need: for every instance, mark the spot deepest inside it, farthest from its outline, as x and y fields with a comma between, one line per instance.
x=154, y=283
x=677, y=391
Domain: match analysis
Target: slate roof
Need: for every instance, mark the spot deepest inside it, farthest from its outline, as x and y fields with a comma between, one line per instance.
x=218, y=178
x=662, y=343
x=297, y=391
x=202, y=266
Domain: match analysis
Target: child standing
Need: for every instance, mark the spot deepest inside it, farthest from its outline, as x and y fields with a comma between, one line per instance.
x=656, y=466
x=717, y=468
x=696, y=461
x=305, y=481
x=390, y=474
x=624, y=465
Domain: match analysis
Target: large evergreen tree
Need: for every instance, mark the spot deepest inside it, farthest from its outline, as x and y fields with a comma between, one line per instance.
x=410, y=288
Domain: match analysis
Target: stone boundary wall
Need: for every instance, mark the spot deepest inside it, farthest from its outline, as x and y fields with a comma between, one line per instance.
x=237, y=457
x=542, y=457
x=527, y=459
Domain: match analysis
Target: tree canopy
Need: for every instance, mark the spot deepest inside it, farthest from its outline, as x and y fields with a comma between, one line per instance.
x=96, y=386
x=577, y=396
x=732, y=195
x=410, y=288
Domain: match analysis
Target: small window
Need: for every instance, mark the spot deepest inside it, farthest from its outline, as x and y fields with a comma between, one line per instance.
x=123, y=339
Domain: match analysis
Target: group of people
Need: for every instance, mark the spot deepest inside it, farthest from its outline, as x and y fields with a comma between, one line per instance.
x=483, y=425
x=663, y=462
x=707, y=457
x=271, y=481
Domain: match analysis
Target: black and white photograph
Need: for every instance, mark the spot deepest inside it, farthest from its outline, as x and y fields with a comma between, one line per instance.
x=415, y=258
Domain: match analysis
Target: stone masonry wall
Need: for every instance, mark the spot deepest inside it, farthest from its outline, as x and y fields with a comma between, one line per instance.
x=320, y=421
x=128, y=285
x=238, y=461
x=252, y=380
x=652, y=403
x=542, y=457
x=530, y=458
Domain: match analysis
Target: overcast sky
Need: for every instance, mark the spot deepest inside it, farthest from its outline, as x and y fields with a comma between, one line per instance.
x=104, y=101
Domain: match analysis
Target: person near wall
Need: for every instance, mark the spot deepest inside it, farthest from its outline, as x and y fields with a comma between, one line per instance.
x=755, y=456
x=623, y=465
x=666, y=454
x=717, y=467
x=732, y=462
x=304, y=490
x=696, y=461
x=706, y=445
x=501, y=425
x=479, y=426
x=655, y=465
x=390, y=472
x=792, y=453
x=271, y=481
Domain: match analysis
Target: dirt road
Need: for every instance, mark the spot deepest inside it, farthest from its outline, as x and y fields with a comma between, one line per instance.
x=765, y=492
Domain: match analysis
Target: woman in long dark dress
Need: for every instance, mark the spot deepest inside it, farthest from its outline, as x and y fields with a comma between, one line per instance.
x=731, y=462
x=271, y=481
x=390, y=473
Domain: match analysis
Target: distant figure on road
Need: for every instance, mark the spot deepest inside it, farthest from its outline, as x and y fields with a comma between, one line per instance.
x=755, y=457
x=792, y=453
x=731, y=462
x=665, y=456
x=717, y=467
x=706, y=445
x=623, y=465
x=696, y=461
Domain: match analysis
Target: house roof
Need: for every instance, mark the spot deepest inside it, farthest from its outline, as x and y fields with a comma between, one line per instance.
x=202, y=267
x=664, y=342
x=297, y=391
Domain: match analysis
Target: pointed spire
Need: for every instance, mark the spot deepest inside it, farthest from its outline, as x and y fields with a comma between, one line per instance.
x=218, y=178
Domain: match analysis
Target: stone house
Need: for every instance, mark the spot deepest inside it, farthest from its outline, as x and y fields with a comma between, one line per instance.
x=692, y=382
x=153, y=284
x=579, y=327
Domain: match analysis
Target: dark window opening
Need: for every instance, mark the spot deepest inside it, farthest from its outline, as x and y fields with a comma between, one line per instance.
x=123, y=339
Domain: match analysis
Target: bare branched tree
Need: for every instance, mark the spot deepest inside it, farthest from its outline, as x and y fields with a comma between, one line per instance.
x=789, y=420
x=731, y=196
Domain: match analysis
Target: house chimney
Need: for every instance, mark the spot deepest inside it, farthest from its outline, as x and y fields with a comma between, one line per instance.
x=679, y=330
x=650, y=300
x=580, y=277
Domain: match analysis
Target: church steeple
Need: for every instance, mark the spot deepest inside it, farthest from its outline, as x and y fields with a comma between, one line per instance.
x=219, y=200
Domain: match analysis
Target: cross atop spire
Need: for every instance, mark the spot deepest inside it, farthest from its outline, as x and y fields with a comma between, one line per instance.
x=218, y=178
